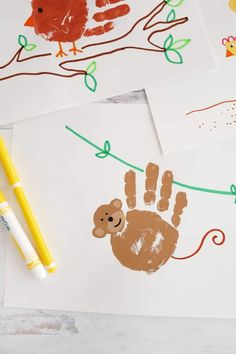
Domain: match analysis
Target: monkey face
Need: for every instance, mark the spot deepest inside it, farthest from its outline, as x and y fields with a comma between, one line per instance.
x=109, y=219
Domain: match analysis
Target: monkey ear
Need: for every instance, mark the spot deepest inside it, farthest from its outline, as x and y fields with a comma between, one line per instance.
x=117, y=203
x=98, y=232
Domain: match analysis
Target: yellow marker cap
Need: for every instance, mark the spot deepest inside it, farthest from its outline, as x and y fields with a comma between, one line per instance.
x=7, y=164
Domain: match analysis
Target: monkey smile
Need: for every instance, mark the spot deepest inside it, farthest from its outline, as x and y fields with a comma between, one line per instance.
x=118, y=223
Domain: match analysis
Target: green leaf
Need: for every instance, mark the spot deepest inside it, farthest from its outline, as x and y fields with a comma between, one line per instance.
x=101, y=155
x=22, y=41
x=174, y=3
x=90, y=82
x=171, y=16
x=107, y=146
x=233, y=190
x=168, y=42
x=173, y=56
x=91, y=68
x=180, y=44
x=29, y=47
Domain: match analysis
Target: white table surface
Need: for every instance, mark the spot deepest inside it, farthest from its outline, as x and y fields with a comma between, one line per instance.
x=26, y=331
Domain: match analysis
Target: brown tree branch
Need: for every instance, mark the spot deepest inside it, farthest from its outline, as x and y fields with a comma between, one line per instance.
x=40, y=73
x=156, y=10
x=143, y=25
x=164, y=26
x=95, y=56
x=159, y=9
x=17, y=59
x=14, y=58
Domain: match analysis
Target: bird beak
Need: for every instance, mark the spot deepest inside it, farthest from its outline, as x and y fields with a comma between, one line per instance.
x=29, y=22
x=229, y=54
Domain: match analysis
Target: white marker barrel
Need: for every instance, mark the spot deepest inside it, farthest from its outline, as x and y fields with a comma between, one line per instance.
x=24, y=246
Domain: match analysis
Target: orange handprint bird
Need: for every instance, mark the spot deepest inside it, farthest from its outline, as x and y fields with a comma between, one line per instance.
x=66, y=20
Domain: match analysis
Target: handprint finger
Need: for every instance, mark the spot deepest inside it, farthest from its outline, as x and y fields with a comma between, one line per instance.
x=152, y=172
x=130, y=189
x=180, y=203
x=166, y=191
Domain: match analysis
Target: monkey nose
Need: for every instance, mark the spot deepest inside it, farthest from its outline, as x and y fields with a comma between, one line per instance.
x=110, y=219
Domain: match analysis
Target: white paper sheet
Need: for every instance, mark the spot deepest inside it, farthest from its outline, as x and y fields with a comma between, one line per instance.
x=195, y=112
x=213, y=94
x=126, y=70
x=65, y=183
x=219, y=19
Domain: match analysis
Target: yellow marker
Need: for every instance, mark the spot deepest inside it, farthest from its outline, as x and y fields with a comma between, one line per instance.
x=14, y=181
x=24, y=246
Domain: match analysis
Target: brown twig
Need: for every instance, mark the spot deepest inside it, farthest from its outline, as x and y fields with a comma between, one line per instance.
x=62, y=65
x=161, y=5
x=166, y=26
x=17, y=58
x=147, y=24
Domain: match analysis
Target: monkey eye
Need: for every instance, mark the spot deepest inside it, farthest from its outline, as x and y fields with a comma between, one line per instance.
x=40, y=10
x=106, y=213
x=101, y=219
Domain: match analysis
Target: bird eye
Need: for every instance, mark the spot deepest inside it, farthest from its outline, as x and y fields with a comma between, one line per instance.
x=101, y=219
x=40, y=10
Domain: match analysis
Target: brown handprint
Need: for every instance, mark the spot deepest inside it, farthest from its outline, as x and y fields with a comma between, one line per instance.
x=142, y=240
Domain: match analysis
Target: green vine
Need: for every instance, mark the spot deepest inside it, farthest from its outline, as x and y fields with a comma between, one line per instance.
x=106, y=152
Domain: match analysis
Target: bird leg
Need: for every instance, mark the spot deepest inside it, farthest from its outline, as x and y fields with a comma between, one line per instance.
x=61, y=53
x=75, y=50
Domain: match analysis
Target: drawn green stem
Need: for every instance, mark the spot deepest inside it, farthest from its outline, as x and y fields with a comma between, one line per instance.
x=206, y=190
x=231, y=192
x=101, y=150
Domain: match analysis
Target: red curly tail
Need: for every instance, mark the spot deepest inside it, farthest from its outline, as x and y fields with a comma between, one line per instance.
x=214, y=239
